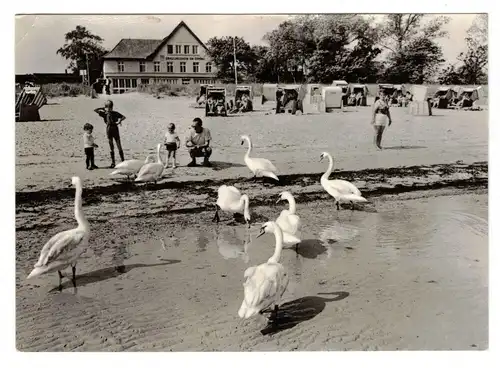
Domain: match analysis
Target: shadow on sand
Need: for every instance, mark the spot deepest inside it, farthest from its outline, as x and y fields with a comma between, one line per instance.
x=311, y=248
x=403, y=147
x=109, y=273
x=220, y=165
x=300, y=310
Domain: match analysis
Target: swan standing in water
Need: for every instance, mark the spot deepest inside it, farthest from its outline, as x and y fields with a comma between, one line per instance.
x=130, y=167
x=258, y=166
x=289, y=221
x=64, y=249
x=340, y=190
x=151, y=171
x=230, y=199
x=266, y=283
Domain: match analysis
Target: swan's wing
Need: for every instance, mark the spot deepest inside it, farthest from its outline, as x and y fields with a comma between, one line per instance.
x=290, y=239
x=134, y=165
x=262, y=164
x=287, y=222
x=64, y=247
x=228, y=195
x=269, y=174
x=344, y=187
x=46, y=248
x=249, y=272
x=294, y=222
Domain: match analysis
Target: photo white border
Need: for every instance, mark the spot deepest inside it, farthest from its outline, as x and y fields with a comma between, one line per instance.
x=348, y=359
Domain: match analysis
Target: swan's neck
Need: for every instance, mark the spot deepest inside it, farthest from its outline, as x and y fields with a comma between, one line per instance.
x=326, y=175
x=292, y=206
x=80, y=217
x=278, y=234
x=244, y=203
x=247, y=155
x=158, y=156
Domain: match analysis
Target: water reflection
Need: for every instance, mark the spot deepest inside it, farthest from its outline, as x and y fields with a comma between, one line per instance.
x=231, y=245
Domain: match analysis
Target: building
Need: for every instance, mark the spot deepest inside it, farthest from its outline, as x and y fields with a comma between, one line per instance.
x=180, y=58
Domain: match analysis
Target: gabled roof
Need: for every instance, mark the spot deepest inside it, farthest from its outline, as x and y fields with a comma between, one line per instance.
x=129, y=48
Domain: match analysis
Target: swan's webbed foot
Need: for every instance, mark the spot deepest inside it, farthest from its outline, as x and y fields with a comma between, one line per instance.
x=60, y=280
x=73, y=269
x=216, y=217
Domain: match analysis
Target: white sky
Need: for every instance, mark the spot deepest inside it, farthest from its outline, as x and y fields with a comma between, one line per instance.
x=39, y=36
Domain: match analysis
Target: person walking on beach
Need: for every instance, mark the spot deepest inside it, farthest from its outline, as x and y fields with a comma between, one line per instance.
x=380, y=118
x=112, y=119
x=88, y=146
x=198, y=142
x=172, y=143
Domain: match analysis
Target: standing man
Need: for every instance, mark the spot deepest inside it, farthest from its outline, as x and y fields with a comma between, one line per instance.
x=112, y=119
x=198, y=143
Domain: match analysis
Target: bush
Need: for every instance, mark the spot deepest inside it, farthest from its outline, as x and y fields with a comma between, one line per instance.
x=191, y=90
x=65, y=89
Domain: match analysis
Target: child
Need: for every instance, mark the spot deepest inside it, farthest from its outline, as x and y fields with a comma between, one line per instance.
x=88, y=144
x=172, y=142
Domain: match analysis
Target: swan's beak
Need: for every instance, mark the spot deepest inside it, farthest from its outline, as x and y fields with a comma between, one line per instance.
x=262, y=232
x=242, y=142
x=320, y=158
x=279, y=200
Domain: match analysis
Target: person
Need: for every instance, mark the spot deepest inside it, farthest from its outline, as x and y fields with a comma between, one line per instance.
x=198, y=142
x=380, y=117
x=172, y=143
x=112, y=119
x=88, y=146
x=108, y=86
x=359, y=98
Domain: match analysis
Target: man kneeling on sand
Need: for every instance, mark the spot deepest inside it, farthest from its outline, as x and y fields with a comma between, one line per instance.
x=198, y=141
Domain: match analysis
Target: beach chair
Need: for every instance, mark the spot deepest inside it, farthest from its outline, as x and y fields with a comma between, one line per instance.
x=28, y=104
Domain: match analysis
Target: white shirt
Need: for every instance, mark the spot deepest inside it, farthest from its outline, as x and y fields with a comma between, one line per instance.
x=88, y=140
x=171, y=137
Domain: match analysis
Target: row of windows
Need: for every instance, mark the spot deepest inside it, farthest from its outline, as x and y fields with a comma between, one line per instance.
x=121, y=85
x=169, y=67
x=188, y=49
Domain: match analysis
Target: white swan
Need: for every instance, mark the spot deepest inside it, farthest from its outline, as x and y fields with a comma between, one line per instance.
x=340, y=190
x=151, y=171
x=230, y=199
x=64, y=249
x=130, y=167
x=289, y=221
x=258, y=166
x=266, y=283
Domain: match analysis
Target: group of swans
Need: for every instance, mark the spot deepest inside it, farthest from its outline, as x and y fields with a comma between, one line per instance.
x=144, y=171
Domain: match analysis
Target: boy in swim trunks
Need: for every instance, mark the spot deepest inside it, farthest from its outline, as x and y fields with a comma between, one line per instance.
x=172, y=143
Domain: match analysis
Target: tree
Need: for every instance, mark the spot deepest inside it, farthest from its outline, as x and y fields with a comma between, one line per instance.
x=221, y=51
x=450, y=76
x=79, y=42
x=414, y=56
x=475, y=60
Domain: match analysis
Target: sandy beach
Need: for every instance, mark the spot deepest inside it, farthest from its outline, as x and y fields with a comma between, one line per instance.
x=406, y=271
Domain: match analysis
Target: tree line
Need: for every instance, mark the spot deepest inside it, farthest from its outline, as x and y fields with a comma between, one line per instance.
x=398, y=48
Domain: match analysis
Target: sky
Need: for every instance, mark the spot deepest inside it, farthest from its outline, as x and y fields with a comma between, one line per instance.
x=39, y=36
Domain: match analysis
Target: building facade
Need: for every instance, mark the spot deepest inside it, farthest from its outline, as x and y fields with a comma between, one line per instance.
x=180, y=58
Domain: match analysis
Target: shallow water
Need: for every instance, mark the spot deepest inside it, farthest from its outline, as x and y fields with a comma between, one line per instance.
x=411, y=276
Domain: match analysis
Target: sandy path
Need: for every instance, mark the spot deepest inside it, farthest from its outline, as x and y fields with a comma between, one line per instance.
x=412, y=275
x=48, y=152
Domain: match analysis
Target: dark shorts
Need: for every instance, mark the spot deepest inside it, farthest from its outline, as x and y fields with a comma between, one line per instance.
x=112, y=132
x=171, y=147
x=200, y=152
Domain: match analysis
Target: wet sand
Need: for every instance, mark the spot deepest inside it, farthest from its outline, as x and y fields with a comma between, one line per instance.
x=408, y=273
x=48, y=152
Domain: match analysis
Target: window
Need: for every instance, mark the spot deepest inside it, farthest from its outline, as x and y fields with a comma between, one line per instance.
x=195, y=49
x=196, y=67
x=127, y=83
x=208, y=68
x=156, y=66
x=134, y=83
x=178, y=49
x=142, y=66
x=144, y=81
x=186, y=49
x=170, y=66
x=183, y=66
x=121, y=66
x=186, y=80
x=170, y=49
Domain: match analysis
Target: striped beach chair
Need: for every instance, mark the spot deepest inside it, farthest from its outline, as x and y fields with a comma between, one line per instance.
x=28, y=102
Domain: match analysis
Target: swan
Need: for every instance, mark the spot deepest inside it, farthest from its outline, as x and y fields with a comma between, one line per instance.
x=266, y=283
x=258, y=166
x=288, y=221
x=130, y=167
x=230, y=199
x=151, y=171
x=340, y=190
x=64, y=248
